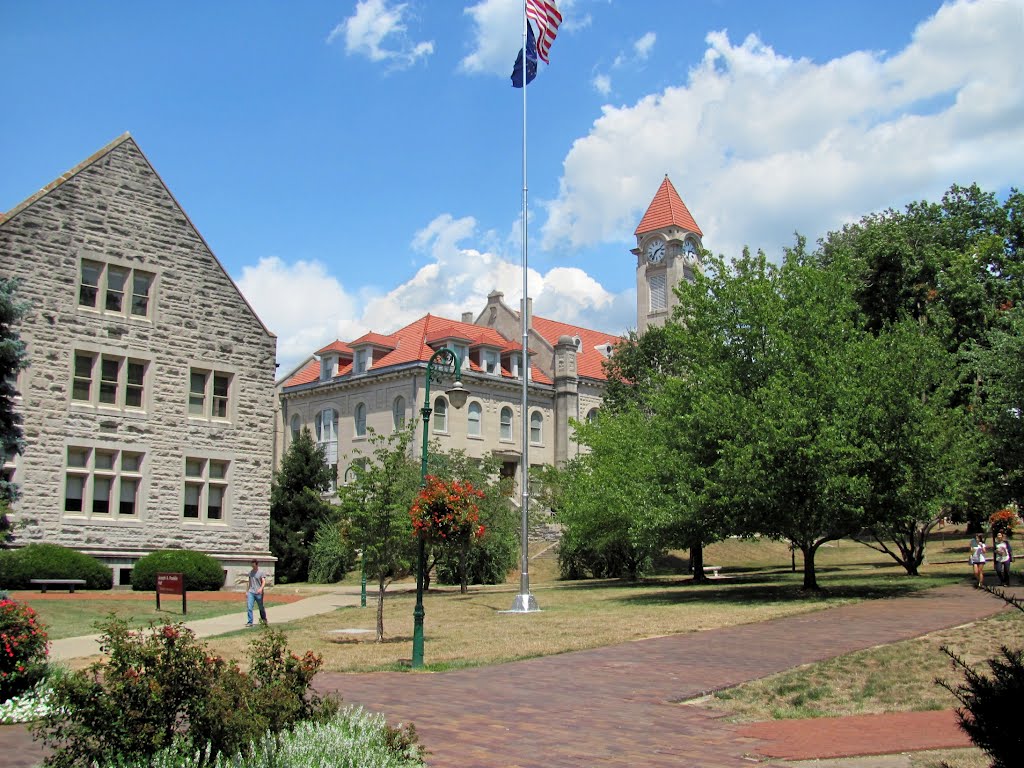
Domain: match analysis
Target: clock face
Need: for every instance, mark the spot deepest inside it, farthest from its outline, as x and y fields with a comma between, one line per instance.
x=690, y=249
x=655, y=251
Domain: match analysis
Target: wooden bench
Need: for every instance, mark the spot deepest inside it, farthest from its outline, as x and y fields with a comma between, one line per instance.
x=60, y=583
x=714, y=569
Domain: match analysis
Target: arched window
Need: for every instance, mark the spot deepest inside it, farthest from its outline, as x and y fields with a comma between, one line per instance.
x=327, y=434
x=296, y=427
x=506, y=423
x=592, y=415
x=474, y=419
x=440, y=415
x=536, y=427
x=360, y=420
x=398, y=413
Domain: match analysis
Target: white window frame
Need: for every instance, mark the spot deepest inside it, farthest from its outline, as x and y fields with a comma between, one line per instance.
x=295, y=426
x=211, y=403
x=475, y=426
x=362, y=362
x=209, y=476
x=439, y=417
x=506, y=433
x=398, y=417
x=103, y=467
x=536, y=428
x=100, y=383
x=326, y=427
x=490, y=362
x=104, y=291
x=359, y=420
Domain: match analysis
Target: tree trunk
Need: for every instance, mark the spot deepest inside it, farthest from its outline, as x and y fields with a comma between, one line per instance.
x=381, y=586
x=697, y=563
x=464, y=568
x=810, y=578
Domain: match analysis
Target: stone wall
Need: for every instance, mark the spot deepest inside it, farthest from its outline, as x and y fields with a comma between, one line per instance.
x=116, y=210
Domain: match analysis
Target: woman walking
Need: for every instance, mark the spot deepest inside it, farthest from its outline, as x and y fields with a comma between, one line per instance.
x=1003, y=559
x=978, y=559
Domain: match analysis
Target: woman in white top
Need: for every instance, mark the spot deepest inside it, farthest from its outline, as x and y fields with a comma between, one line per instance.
x=978, y=559
x=1002, y=558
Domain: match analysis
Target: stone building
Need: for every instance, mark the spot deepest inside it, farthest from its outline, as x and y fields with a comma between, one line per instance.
x=148, y=403
x=376, y=382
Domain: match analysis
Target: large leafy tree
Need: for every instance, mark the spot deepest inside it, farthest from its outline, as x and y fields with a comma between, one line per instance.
x=376, y=503
x=12, y=359
x=298, y=506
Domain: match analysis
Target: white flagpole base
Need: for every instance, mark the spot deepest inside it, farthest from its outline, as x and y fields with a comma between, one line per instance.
x=523, y=603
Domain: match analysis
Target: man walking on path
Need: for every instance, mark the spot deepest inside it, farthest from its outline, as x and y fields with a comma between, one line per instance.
x=257, y=581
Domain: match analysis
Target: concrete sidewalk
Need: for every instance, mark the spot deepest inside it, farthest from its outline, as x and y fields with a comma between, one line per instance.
x=88, y=645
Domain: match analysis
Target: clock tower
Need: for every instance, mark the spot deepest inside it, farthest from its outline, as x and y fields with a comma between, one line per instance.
x=668, y=243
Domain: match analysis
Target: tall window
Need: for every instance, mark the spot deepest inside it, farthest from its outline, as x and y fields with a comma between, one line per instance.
x=115, y=290
x=206, y=489
x=659, y=291
x=102, y=483
x=296, y=423
x=592, y=415
x=489, y=362
x=536, y=428
x=327, y=434
x=474, y=419
x=398, y=414
x=360, y=420
x=506, y=423
x=362, y=361
x=440, y=415
x=109, y=380
x=208, y=393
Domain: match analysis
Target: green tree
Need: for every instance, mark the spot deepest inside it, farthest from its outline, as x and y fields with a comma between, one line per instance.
x=13, y=358
x=297, y=506
x=376, y=504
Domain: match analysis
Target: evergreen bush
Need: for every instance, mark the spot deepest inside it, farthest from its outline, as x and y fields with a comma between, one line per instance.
x=51, y=561
x=331, y=555
x=202, y=572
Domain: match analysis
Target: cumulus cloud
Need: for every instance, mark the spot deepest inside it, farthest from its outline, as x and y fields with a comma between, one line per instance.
x=602, y=84
x=760, y=145
x=498, y=34
x=378, y=31
x=308, y=308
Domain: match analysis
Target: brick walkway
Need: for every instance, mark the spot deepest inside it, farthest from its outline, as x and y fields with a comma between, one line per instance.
x=614, y=706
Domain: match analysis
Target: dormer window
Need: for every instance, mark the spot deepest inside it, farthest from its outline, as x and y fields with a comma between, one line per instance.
x=459, y=349
x=362, y=361
x=328, y=367
x=489, y=362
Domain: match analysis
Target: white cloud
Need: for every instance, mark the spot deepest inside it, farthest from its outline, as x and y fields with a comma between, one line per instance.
x=760, y=145
x=642, y=47
x=374, y=24
x=498, y=34
x=602, y=84
x=308, y=308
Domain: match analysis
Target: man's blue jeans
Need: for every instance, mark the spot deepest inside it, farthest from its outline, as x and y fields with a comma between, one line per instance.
x=252, y=597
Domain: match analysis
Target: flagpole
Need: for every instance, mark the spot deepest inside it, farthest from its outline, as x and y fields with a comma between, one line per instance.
x=525, y=602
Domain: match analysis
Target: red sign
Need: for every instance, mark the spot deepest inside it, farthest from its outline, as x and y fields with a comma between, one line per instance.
x=171, y=584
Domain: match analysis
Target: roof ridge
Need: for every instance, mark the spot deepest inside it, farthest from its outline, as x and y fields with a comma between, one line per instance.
x=74, y=171
x=667, y=209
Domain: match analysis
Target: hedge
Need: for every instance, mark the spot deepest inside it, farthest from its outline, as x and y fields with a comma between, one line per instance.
x=202, y=572
x=51, y=561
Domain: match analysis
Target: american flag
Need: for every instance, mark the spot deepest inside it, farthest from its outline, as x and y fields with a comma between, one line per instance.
x=545, y=14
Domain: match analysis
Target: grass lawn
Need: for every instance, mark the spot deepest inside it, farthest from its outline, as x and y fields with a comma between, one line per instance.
x=470, y=630
x=66, y=615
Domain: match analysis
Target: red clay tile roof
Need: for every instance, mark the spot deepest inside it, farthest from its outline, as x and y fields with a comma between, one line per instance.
x=340, y=347
x=589, y=361
x=667, y=209
x=376, y=339
x=310, y=372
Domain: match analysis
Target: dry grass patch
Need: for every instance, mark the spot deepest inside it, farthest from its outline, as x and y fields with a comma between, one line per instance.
x=892, y=678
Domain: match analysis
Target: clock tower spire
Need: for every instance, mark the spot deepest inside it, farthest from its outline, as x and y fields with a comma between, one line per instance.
x=668, y=243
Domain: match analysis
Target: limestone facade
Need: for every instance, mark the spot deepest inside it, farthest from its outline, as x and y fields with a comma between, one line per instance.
x=149, y=401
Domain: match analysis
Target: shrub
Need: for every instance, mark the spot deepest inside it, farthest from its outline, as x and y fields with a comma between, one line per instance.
x=162, y=685
x=489, y=559
x=331, y=555
x=51, y=561
x=23, y=648
x=202, y=572
x=353, y=738
x=988, y=714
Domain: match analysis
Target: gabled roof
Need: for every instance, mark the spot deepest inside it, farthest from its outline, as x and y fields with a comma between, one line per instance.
x=340, y=348
x=667, y=209
x=375, y=340
x=589, y=360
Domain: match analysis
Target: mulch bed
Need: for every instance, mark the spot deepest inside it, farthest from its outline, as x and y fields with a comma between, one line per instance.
x=28, y=596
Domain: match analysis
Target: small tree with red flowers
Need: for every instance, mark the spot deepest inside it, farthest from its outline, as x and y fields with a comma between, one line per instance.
x=445, y=514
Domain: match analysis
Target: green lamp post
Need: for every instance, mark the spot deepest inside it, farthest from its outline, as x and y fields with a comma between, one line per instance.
x=457, y=396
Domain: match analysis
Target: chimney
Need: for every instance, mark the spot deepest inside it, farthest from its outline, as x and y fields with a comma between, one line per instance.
x=467, y=317
x=529, y=309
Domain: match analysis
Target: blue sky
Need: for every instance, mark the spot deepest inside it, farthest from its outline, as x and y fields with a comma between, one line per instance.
x=356, y=164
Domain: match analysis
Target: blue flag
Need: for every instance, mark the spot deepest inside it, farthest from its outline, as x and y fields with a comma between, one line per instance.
x=531, y=61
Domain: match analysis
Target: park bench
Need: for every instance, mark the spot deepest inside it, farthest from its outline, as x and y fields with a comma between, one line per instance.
x=60, y=583
x=712, y=570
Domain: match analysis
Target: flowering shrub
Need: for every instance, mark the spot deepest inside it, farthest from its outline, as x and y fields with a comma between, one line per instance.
x=162, y=685
x=22, y=649
x=1003, y=521
x=447, y=511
